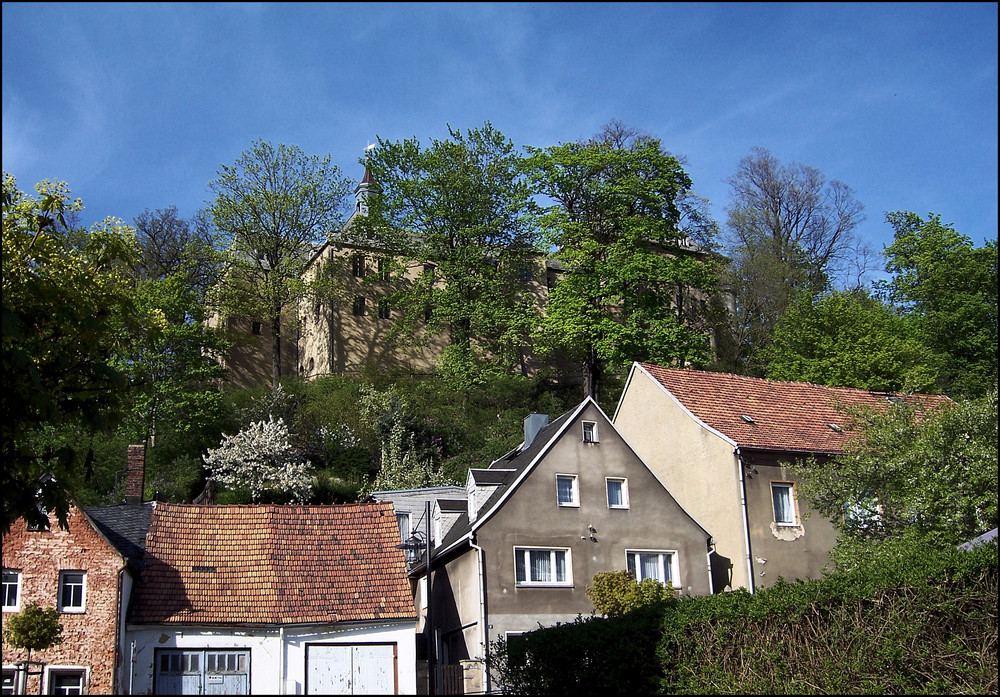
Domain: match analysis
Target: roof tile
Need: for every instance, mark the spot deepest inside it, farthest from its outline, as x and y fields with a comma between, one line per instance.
x=787, y=416
x=272, y=564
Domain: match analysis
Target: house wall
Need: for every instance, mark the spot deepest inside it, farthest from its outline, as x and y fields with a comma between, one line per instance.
x=799, y=551
x=248, y=363
x=531, y=517
x=277, y=658
x=334, y=340
x=89, y=637
x=698, y=466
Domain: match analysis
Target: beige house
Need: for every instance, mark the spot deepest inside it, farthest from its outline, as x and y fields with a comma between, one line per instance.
x=534, y=528
x=721, y=443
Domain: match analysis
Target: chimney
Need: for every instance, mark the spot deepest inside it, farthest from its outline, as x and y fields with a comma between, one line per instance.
x=533, y=423
x=135, y=473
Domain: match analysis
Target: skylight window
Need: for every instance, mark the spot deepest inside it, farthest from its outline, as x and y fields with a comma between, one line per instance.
x=748, y=419
x=835, y=427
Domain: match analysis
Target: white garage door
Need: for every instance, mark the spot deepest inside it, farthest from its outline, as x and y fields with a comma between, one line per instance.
x=351, y=669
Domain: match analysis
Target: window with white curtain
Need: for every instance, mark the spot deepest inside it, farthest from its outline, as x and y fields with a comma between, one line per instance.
x=655, y=564
x=617, y=492
x=567, y=493
x=783, y=496
x=542, y=567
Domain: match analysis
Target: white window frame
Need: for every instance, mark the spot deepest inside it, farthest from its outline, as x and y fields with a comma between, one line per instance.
x=574, y=501
x=11, y=579
x=590, y=432
x=524, y=554
x=624, y=482
x=82, y=607
x=673, y=561
x=792, y=504
x=11, y=680
x=52, y=671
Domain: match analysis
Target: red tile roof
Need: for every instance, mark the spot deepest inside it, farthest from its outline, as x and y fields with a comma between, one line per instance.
x=272, y=564
x=787, y=416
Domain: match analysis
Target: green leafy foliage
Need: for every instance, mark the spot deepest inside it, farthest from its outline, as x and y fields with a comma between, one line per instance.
x=459, y=210
x=947, y=290
x=849, y=339
x=68, y=309
x=932, y=474
x=614, y=227
x=907, y=620
x=272, y=207
x=615, y=593
x=34, y=628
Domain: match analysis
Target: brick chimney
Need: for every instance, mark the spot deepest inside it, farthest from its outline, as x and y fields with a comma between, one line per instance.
x=135, y=473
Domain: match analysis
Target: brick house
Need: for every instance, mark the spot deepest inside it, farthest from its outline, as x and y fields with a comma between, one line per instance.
x=272, y=599
x=86, y=571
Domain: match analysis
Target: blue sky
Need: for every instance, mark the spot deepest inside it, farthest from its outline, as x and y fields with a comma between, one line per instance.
x=136, y=106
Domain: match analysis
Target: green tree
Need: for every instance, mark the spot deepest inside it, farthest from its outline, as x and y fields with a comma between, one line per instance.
x=616, y=593
x=68, y=310
x=932, y=474
x=457, y=211
x=272, y=207
x=788, y=230
x=33, y=628
x=947, y=289
x=614, y=228
x=848, y=339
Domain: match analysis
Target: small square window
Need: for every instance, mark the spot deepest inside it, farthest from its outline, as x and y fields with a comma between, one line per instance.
x=11, y=590
x=783, y=497
x=617, y=492
x=255, y=327
x=567, y=492
x=72, y=591
x=590, y=432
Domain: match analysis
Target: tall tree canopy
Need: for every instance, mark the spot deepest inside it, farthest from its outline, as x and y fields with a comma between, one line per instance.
x=849, y=339
x=459, y=211
x=947, y=289
x=614, y=228
x=68, y=309
x=272, y=207
x=789, y=230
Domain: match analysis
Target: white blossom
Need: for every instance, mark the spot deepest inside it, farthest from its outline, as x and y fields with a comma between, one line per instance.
x=260, y=458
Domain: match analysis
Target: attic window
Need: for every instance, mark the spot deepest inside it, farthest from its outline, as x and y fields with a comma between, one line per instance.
x=590, y=432
x=835, y=427
x=748, y=419
x=203, y=569
x=894, y=399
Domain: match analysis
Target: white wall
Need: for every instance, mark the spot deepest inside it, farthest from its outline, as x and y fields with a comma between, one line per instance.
x=268, y=648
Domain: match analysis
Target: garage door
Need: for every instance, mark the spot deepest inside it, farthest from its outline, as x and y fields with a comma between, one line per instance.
x=351, y=669
x=202, y=672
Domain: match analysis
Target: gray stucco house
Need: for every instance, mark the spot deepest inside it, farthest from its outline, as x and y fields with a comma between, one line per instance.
x=535, y=527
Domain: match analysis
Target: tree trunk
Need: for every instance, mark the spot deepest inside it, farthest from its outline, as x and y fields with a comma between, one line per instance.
x=276, y=347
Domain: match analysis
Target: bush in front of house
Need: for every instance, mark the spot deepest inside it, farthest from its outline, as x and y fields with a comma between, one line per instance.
x=924, y=624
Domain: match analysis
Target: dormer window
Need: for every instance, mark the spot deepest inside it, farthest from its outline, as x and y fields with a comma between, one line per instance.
x=590, y=432
x=567, y=491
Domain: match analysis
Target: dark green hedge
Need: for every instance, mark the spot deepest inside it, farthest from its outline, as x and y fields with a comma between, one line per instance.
x=926, y=624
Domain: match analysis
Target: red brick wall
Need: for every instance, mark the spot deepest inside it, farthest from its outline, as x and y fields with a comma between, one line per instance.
x=89, y=638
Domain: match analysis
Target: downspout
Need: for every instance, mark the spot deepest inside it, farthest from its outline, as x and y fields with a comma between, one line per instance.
x=281, y=660
x=746, y=517
x=116, y=677
x=483, y=627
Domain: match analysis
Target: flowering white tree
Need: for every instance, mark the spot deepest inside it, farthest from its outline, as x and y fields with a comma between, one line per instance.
x=260, y=458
